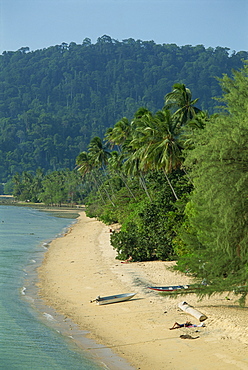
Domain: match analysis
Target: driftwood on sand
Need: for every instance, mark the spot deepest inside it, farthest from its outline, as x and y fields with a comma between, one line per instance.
x=192, y=311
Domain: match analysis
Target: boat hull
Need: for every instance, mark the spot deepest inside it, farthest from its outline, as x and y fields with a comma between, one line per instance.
x=114, y=298
x=170, y=288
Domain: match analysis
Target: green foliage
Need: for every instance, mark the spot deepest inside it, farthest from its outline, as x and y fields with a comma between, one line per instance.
x=52, y=189
x=8, y=187
x=214, y=274
x=142, y=182
x=220, y=200
x=153, y=225
x=205, y=228
x=128, y=244
x=1, y=188
x=178, y=182
x=217, y=233
x=27, y=187
x=55, y=100
x=103, y=209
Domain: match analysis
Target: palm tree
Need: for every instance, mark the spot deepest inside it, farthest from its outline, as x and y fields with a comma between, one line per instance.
x=180, y=99
x=115, y=163
x=18, y=186
x=85, y=166
x=109, y=138
x=132, y=168
x=165, y=148
x=157, y=143
x=37, y=184
x=120, y=133
x=131, y=164
x=99, y=155
x=141, y=113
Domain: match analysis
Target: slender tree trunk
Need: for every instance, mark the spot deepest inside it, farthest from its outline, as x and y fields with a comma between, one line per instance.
x=97, y=186
x=125, y=183
x=173, y=191
x=142, y=181
x=111, y=187
x=186, y=173
x=106, y=193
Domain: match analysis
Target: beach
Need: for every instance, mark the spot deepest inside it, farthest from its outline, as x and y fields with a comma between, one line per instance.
x=81, y=265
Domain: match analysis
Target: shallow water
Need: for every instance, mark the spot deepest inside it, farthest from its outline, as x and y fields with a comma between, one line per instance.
x=30, y=335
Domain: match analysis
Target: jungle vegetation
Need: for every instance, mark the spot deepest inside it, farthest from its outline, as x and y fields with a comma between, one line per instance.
x=175, y=178
x=178, y=185
x=53, y=101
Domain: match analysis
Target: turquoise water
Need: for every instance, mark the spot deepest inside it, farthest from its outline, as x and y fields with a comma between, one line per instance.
x=27, y=338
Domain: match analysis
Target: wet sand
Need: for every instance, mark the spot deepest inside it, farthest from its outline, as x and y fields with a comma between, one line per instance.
x=81, y=265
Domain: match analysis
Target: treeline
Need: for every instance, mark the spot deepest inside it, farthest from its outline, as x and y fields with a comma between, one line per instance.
x=54, y=101
x=178, y=185
x=177, y=182
x=53, y=189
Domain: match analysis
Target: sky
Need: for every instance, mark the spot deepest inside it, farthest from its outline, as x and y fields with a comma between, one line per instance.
x=38, y=24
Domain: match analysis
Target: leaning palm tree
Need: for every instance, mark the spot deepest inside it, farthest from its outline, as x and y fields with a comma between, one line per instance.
x=132, y=168
x=180, y=100
x=120, y=133
x=99, y=155
x=115, y=163
x=84, y=163
x=132, y=161
x=157, y=143
x=85, y=167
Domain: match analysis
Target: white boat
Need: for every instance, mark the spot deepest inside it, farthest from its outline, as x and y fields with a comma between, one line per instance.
x=114, y=298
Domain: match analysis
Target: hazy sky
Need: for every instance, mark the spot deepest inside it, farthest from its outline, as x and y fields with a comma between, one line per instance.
x=39, y=24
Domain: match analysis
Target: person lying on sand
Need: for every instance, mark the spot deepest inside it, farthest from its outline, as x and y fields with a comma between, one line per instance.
x=127, y=260
x=186, y=325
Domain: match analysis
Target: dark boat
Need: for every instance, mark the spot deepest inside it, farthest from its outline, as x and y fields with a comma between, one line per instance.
x=170, y=288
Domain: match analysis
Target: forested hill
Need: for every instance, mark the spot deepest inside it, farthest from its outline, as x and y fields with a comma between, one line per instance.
x=54, y=100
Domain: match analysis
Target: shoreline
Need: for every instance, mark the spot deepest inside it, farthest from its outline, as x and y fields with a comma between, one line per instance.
x=81, y=265
x=64, y=324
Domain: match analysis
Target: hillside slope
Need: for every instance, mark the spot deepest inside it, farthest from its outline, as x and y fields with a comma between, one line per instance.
x=53, y=101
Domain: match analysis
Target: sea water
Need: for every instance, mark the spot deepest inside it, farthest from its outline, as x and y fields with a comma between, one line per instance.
x=27, y=340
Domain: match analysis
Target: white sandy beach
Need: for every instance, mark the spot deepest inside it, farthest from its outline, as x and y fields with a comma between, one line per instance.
x=81, y=265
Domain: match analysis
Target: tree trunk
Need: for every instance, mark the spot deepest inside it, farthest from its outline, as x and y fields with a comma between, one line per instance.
x=173, y=191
